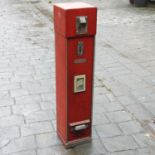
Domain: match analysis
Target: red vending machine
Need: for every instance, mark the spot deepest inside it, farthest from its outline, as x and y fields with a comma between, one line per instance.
x=75, y=29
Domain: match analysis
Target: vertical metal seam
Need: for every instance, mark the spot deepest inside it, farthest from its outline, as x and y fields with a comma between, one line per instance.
x=93, y=84
x=67, y=89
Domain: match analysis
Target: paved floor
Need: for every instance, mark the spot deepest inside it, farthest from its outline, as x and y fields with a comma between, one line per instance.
x=124, y=96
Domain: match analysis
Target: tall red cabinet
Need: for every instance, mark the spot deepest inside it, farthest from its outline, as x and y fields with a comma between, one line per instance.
x=75, y=29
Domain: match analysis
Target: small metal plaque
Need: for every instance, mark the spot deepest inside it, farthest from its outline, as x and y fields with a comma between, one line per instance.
x=79, y=61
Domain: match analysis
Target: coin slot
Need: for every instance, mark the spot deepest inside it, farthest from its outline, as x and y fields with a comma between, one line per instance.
x=81, y=24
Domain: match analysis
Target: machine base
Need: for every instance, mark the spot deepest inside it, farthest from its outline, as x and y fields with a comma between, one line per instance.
x=77, y=142
x=74, y=143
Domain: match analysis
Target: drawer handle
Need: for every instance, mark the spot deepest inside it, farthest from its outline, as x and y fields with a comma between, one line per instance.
x=80, y=127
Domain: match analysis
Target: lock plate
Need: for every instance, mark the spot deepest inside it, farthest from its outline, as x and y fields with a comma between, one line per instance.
x=81, y=24
x=80, y=48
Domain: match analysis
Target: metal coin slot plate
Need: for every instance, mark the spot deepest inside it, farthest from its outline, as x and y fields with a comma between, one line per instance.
x=81, y=24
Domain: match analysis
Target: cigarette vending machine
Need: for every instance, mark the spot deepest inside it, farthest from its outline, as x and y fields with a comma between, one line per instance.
x=75, y=29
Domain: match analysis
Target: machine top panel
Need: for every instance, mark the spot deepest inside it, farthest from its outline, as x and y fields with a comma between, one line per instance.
x=73, y=5
x=75, y=19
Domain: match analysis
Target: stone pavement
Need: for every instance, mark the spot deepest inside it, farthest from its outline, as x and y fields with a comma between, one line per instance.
x=124, y=94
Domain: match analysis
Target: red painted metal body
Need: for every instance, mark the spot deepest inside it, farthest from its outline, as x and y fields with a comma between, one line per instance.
x=74, y=109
